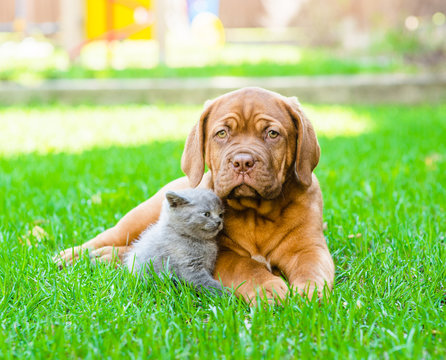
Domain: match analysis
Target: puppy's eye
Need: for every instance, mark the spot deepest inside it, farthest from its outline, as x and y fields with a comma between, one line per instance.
x=272, y=134
x=207, y=214
x=222, y=134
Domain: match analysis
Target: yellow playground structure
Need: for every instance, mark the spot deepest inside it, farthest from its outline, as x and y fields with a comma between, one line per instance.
x=119, y=19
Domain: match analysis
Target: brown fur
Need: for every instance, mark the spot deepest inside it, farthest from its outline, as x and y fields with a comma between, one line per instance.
x=273, y=220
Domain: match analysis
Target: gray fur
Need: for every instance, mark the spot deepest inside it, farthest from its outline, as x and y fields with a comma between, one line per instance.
x=183, y=241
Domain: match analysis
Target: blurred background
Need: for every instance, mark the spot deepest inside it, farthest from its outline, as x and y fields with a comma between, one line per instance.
x=50, y=39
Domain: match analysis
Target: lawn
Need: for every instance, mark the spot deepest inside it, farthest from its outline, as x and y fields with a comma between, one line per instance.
x=129, y=60
x=67, y=173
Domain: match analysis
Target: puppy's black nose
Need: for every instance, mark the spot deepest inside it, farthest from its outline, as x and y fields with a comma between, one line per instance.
x=242, y=162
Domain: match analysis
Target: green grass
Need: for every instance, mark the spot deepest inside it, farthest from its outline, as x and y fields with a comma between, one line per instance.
x=140, y=61
x=67, y=173
x=307, y=66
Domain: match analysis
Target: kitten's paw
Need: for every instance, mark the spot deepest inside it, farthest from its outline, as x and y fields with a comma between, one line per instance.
x=217, y=292
x=217, y=289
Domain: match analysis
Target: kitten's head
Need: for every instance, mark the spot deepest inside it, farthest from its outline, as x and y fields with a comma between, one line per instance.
x=196, y=212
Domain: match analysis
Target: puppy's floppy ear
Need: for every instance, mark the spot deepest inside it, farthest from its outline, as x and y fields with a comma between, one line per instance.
x=175, y=199
x=307, y=149
x=192, y=161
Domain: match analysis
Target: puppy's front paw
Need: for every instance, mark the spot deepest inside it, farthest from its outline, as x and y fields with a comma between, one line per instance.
x=273, y=290
x=107, y=254
x=68, y=256
x=308, y=289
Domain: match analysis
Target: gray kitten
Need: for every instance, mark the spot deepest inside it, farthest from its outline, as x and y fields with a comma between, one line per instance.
x=183, y=241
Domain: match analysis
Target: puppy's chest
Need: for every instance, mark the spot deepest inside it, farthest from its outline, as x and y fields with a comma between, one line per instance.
x=248, y=232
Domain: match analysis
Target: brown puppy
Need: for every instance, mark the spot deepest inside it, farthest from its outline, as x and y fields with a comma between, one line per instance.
x=260, y=149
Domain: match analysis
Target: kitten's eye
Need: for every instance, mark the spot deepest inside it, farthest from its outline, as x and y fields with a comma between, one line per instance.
x=207, y=214
x=221, y=215
x=273, y=134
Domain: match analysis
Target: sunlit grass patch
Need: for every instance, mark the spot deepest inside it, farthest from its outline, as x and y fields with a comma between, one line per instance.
x=50, y=129
x=331, y=121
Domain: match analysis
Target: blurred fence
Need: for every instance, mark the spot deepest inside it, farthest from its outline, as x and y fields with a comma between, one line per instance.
x=319, y=22
x=30, y=15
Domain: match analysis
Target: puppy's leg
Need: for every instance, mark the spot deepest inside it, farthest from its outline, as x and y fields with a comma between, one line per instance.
x=249, y=277
x=110, y=254
x=309, y=270
x=69, y=256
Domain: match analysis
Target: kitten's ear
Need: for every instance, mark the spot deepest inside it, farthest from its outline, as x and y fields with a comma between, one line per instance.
x=176, y=200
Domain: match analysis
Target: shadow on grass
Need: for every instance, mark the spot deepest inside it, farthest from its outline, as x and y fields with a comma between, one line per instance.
x=74, y=196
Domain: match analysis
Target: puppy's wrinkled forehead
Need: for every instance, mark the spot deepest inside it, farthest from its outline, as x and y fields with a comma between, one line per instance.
x=247, y=105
